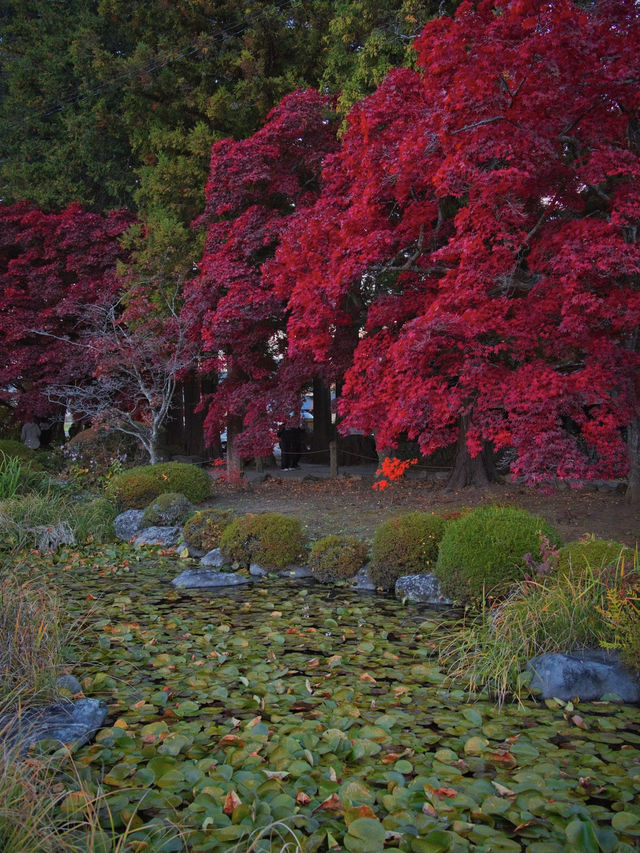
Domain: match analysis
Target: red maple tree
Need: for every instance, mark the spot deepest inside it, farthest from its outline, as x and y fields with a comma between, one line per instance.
x=472, y=264
x=53, y=266
x=255, y=187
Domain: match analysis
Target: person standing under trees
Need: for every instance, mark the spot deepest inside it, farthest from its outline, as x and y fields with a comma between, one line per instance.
x=292, y=446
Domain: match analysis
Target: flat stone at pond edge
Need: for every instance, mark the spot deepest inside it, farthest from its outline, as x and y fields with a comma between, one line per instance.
x=201, y=578
x=587, y=675
x=295, y=572
x=165, y=536
x=213, y=559
x=424, y=587
x=128, y=524
x=69, y=722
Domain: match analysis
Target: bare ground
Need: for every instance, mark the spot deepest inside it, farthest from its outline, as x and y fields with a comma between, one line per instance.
x=350, y=505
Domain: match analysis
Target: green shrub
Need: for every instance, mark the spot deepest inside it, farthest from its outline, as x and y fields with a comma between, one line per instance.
x=593, y=555
x=335, y=558
x=10, y=475
x=92, y=521
x=486, y=548
x=269, y=539
x=137, y=487
x=167, y=509
x=21, y=515
x=11, y=447
x=405, y=545
x=203, y=530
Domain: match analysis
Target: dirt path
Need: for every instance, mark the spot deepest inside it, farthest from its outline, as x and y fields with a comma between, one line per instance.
x=349, y=505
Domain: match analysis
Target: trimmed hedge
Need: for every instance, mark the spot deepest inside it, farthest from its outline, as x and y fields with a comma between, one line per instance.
x=137, y=487
x=405, y=545
x=484, y=549
x=336, y=558
x=269, y=539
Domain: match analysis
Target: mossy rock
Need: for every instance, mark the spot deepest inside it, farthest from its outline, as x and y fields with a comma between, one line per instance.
x=335, y=558
x=203, y=530
x=483, y=551
x=269, y=539
x=405, y=545
x=167, y=510
x=594, y=555
x=137, y=487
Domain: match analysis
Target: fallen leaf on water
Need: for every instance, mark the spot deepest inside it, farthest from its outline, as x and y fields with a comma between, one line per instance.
x=332, y=803
x=231, y=801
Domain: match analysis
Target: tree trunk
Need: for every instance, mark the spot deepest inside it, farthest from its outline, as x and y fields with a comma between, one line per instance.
x=323, y=431
x=467, y=470
x=234, y=461
x=632, y=495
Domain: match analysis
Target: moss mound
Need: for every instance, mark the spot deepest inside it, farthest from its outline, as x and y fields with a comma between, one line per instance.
x=593, y=555
x=203, y=530
x=269, y=539
x=137, y=487
x=336, y=558
x=405, y=545
x=484, y=549
x=167, y=509
x=11, y=447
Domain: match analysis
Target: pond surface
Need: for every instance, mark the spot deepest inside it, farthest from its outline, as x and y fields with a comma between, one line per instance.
x=251, y=714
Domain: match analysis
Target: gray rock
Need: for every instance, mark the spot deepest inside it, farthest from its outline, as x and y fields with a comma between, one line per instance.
x=362, y=580
x=165, y=536
x=69, y=722
x=201, y=578
x=425, y=587
x=213, y=560
x=295, y=572
x=70, y=683
x=128, y=524
x=50, y=537
x=257, y=571
x=586, y=675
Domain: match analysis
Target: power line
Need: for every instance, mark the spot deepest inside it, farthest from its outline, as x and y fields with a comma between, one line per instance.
x=228, y=32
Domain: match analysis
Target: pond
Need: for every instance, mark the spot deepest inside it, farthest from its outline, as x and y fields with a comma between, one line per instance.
x=276, y=710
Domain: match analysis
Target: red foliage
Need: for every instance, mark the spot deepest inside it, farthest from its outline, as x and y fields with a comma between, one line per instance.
x=474, y=252
x=52, y=267
x=393, y=469
x=255, y=186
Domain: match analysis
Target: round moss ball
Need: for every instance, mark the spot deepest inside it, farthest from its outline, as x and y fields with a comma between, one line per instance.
x=405, y=545
x=335, y=558
x=483, y=551
x=269, y=539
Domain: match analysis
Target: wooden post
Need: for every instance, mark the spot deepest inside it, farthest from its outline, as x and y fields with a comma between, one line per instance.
x=258, y=464
x=333, y=459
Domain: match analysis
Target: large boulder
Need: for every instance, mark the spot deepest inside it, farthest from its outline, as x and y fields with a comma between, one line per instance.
x=128, y=524
x=204, y=578
x=166, y=537
x=68, y=722
x=422, y=587
x=587, y=675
